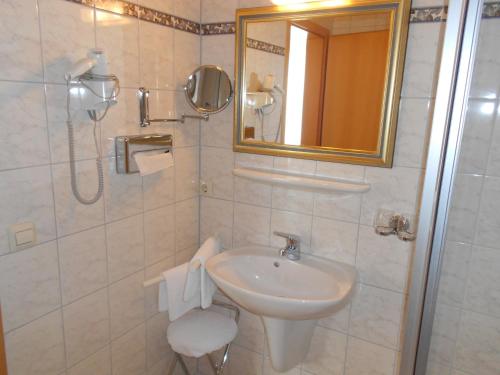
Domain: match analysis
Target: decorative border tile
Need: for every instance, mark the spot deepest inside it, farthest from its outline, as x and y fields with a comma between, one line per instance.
x=265, y=47
x=127, y=8
x=219, y=28
x=491, y=10
x=430, y=14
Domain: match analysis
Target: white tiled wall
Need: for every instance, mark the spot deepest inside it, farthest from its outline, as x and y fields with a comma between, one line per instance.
x=74, y=304
x=466, y=332
x=364, y=338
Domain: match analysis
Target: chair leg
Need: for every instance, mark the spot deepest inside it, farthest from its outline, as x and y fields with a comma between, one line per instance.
x=173, y=364
x=217, y=367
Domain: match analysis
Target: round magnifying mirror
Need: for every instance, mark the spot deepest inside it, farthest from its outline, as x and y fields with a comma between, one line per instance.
x=208, y=89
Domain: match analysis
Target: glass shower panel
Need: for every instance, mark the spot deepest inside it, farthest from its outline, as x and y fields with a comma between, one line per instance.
x=466, y=330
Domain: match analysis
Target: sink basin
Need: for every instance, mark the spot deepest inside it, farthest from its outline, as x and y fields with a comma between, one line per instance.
x=289, y=295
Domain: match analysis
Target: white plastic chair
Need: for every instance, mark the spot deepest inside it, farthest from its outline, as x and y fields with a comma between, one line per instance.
x=200, y=333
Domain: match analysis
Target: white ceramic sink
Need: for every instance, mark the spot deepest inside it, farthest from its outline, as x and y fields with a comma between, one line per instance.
x=289, y=295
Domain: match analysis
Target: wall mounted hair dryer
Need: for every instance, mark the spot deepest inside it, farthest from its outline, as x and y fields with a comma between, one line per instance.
x=91, y=89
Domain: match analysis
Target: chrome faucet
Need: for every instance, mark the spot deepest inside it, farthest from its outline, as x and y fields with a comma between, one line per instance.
x=292, y=248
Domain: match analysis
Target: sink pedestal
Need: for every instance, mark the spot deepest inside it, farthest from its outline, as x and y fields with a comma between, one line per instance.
x=288, y=341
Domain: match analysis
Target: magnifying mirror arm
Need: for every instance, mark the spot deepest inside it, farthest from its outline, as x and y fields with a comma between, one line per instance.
x=143, y=95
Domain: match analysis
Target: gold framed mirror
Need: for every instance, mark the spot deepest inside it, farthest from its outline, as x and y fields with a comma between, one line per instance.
x=320, y=80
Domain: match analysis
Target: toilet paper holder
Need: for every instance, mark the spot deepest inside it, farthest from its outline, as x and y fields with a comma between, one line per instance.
x=128, y=145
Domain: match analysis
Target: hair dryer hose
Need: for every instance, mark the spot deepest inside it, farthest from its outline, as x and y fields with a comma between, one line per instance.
x=72, y=167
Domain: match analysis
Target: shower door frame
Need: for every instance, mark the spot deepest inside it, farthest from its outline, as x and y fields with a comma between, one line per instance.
x=455, y=73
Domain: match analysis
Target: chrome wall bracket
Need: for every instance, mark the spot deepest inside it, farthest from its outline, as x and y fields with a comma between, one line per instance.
x=144, y=119
x=403, y=226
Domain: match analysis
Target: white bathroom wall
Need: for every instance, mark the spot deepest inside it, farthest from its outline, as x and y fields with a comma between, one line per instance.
x=74, y=303
x=364, y=338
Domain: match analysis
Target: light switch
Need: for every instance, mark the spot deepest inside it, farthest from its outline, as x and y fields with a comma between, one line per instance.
x=22, y=236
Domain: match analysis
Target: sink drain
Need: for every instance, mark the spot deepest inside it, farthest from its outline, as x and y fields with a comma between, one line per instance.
x=276, y=264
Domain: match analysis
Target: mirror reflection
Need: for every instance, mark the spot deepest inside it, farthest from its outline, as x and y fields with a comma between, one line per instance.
x=317, y=81
x=208, y=89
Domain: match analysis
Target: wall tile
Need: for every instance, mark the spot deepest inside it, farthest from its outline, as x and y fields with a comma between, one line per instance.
x=364, y=358
x=334, y=239
x=83, y=263
x=327, y=353
x=412, y=133
x=338, y=321
x=421, y=57
x=24, y=136
x=126, y=303
x=335, y=205
x=217, y=171
x=292, y=200
x=391, y=189
x=166, y=6
x=376, y=316
x=486, y=78
x=37, y=348
x=79, y=36
x=128, y=353
x=250, y=332
x=29, y=284
x=218, y=131
x=464, y=207
x=86, y=326
x=125, y=239
x=483, y=283
x=186, y=173
x=20, y=56
x=15, y=186
x=188, y=133
x=156, y=340
x=216, y=218
x=493, y=166
x=444, y=334
x=96, y=364
x=487, y=233
x=187, y=57
x=187, y=9
x=156, y=44
x=186, y=224
x=159, y=231
x=73, y=216
x=454, y=269
x=159, y=189
x=119, y=37
x=251, y=225
x=244, y=362
x=477, y=345
x=122, y=192
x=477, y=133
x=218, y=10
x=219, y=50
x=382, y=261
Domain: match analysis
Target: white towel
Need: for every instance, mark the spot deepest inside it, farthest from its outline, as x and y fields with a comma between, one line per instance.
x=170, y=294
x=198, y=282
x=149, y=163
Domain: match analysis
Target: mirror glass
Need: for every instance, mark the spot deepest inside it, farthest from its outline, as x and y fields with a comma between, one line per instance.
x=320, y=82
x=208, y=89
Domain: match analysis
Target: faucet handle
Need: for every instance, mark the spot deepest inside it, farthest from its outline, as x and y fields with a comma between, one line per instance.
x=291, y=239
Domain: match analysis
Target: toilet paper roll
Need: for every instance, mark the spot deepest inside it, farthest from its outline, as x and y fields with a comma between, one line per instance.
x=152, y=163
